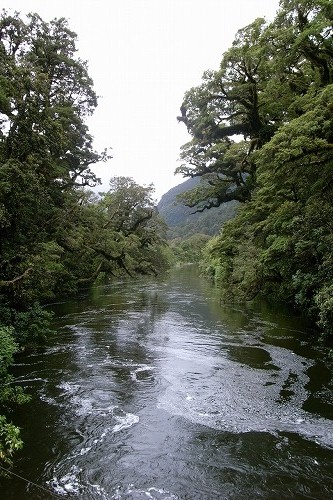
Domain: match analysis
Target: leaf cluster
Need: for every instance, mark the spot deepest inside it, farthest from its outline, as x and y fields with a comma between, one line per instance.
x=274, y=88
x=55, y=235
x=258, y=88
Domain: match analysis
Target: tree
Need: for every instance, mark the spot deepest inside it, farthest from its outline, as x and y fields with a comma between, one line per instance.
x=139, y=232
x=238, y=109
x=45, y=158
x=231, y=103
x=274, y=90
x=188, y=250
x=280, y=243
x=116, y=233
x=45, y=148
x=56, y=235
x=303, y=31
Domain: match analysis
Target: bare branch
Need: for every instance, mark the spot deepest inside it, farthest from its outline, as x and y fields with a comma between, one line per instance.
x=18, y=278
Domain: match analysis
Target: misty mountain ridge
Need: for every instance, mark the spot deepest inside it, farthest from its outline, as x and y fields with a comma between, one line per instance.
x=181, y=220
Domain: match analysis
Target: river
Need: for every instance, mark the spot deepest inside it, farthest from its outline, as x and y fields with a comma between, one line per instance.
x=154, y=390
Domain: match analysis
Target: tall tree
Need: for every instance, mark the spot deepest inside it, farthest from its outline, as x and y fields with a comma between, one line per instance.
x=45, y=148
x=45, y=157
x=140, y=233
x=238, y=109
x=280, y=243
x=230, y=105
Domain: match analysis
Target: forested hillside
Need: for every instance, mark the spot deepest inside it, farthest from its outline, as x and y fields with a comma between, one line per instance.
x=184, y=221
x=262, y=134
x=56, y=235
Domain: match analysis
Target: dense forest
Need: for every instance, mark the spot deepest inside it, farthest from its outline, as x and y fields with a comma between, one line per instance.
x=262, y=139
x=262, y=134
x=56, y=234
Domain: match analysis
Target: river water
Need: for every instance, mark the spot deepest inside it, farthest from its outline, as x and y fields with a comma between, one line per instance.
x=155, y=390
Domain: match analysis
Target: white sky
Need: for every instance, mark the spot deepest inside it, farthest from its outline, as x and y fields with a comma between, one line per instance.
x=143, y=55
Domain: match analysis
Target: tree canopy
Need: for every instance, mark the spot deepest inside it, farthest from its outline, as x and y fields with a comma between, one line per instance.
x=262, y=134
x=257, y=90
x=56, y=235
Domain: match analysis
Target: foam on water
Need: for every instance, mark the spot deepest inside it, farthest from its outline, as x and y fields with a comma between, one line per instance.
x=118, y=420
x=131, y=492
x=82, y=402
x=237, y=398
x=48, y=400
x=68, y=387
x=137, y=371
x=68, y=484
x=125, y=421
x=71, y=484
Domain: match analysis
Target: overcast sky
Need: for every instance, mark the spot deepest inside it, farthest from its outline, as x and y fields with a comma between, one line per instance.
x=143, y=55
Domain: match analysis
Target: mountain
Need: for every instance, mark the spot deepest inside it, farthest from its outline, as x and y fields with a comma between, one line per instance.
x=181, y=220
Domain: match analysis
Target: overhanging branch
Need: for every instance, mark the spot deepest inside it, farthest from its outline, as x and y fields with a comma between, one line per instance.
x=15, y=280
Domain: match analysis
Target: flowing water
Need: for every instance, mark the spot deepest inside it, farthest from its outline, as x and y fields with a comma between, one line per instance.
x=155, y=390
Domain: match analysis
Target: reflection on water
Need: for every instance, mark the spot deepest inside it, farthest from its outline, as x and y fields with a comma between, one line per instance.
x=154, y=389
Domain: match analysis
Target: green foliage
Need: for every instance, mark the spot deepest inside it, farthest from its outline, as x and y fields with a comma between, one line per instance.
x=32, y=326
x=10, y=440
x=280, y=242
x=188, y=250
x=45, y=152
x=9, y=434
x=8, y=348
x=258, y=88
x=230, y=103
x=324, y=303
x=56, y=236
x=116, y=234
